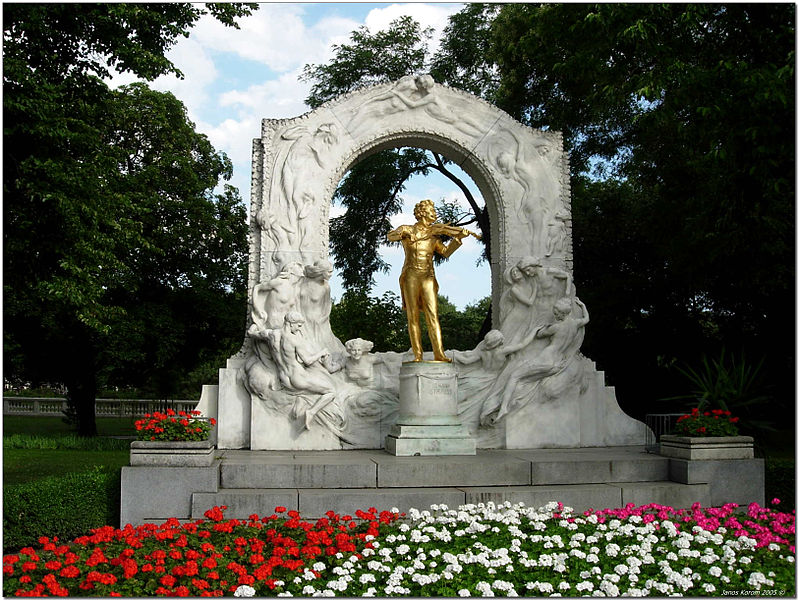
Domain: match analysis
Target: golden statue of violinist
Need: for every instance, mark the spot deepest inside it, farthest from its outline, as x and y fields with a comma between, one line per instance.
x=417, y=281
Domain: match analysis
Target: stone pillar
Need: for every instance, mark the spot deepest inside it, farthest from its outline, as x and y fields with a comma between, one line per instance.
x=428, y=424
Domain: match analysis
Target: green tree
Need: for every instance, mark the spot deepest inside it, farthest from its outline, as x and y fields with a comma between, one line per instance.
x=380, y=320
x=462, y=330
x=686, y=114
x=104, y=192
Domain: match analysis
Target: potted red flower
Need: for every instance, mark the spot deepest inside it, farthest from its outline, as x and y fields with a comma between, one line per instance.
x=167, y=439
x=708, y=435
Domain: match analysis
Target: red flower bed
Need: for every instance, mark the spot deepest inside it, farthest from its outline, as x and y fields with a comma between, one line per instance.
x=203, y=558
x=714, y=423
x=174, y=427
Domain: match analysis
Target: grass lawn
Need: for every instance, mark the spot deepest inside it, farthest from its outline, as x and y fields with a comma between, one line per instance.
x=55, y=426
x=21, y=466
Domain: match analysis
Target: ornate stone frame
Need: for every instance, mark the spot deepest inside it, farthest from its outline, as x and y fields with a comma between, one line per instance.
x=477, y=156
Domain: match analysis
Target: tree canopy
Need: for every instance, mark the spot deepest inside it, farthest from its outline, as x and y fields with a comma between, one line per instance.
x=110, y=215
x=683, y=117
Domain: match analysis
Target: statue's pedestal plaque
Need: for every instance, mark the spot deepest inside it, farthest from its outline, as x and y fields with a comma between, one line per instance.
x=428, y=424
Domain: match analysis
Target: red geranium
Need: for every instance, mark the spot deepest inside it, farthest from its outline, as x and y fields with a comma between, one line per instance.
x=171, y=427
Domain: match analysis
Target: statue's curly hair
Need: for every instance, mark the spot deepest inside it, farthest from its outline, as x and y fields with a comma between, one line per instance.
x=425, y=207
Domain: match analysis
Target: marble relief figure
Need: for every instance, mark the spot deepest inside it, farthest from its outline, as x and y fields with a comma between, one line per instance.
x=292, y=211
x=557, y=233
x=415, y=92
x=563, y=338
x=295, y=385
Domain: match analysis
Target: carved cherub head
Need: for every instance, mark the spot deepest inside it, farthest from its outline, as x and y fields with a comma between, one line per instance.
x=358, y=347
x=562, y=308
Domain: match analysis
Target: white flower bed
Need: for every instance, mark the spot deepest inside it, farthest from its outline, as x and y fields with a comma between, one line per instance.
x=514, y=550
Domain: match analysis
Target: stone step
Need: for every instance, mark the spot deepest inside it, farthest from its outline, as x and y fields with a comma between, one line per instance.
x=377, y=469
x=313, y=503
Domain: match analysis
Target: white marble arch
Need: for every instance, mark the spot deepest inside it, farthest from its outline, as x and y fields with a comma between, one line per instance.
x=522, y=173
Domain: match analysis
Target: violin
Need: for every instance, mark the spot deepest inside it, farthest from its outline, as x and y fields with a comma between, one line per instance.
x=451, y=230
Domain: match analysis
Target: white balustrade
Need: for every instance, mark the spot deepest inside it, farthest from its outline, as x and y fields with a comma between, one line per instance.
x=103, y=407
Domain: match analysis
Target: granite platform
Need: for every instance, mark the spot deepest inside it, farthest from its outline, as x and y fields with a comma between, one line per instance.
x=344, y=481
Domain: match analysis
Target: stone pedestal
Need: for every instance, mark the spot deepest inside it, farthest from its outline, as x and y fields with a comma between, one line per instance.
x=428, y=424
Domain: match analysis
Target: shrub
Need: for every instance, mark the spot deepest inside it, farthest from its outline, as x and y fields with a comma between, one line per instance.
x=780, y=482
x=65, y=506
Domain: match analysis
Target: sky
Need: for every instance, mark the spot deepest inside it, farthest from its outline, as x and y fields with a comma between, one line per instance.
x=235, y=78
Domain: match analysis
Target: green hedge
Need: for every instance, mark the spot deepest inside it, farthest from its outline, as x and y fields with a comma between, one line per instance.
x=66, y=506
x=780, y=483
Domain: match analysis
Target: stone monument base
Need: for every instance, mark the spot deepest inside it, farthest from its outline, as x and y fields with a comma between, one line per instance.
x=428, y=424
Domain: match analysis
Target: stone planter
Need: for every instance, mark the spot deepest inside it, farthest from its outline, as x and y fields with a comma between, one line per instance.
x=172, y=454
x=707, y=448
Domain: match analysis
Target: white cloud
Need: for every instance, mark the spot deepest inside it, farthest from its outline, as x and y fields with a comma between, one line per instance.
x=428, y=15
x=337, y=210
x=199, y=72
x=276, y=98
x=275, y=35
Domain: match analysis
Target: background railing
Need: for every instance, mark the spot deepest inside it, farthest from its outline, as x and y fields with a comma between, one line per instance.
x=659, y=425
x=103, y=407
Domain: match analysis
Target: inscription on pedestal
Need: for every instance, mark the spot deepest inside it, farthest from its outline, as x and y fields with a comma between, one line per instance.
x=427, y=394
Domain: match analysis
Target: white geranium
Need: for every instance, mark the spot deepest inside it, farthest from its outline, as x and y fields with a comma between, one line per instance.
x=484, y=589
x=244, y=591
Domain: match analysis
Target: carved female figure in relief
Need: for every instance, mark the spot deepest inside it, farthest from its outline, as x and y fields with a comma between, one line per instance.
x=417, y=92
x=492, y=351
x=295, y=200
x=564, y=336
x=558, y=231
x=524, y=165
x=517, y=302
x=359, y=367
x=315, y=304
x=551, y=283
